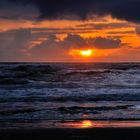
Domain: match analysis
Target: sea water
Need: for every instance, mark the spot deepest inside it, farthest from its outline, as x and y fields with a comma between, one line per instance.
x=32, y=94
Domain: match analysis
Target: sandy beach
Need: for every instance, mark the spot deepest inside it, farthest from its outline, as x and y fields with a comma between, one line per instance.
x=72, y=134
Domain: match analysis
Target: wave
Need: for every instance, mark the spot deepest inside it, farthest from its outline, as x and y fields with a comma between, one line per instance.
x=77, y=98
x=17, y=111
x=77, y=109
x=88, y=72
x=22, y=74
x=25, y=73
x=13, y=81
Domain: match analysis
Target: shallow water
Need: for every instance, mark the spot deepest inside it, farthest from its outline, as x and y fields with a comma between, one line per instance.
x=62, y=92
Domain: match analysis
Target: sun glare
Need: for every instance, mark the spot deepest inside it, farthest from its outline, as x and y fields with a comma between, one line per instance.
x=86, y=53
x=86, y=124
x=82, y=53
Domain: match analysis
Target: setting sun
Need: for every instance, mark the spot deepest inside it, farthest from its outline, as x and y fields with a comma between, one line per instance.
x=81, y=53
x=86, y=53
x=86, y=124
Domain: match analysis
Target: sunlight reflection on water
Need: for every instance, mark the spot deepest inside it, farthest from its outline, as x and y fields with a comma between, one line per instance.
x=82, y=124
x=100, y=124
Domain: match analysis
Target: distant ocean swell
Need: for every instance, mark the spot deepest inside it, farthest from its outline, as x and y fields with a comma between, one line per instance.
x=101, y=91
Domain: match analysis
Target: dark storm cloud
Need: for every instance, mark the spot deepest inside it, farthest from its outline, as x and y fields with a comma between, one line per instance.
x=98, y=42
x=12, y=44
x=121, y=32
x=15, y=11
x=100, y=26
x=107, y=43
x=138, y=30
x=76, y=41
x=15, y=45
x=52, y=48
x=52, y=9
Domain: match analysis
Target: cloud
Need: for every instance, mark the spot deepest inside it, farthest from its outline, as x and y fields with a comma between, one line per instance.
x=18, y=45
x=121, y=32
x=13, y=43
x=15, y=11
x=53, y=49
x=100, y=26
x=137, y=29
x=107, y=43
x=62, y=9
x=75, y=41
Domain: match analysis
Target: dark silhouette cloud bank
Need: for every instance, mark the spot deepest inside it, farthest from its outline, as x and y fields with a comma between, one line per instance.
x=76, y=9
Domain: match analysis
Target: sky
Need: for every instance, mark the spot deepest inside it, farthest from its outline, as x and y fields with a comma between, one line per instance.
x=61, y=30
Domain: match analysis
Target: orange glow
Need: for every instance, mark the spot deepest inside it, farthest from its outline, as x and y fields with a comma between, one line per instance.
x=100, y=124
x=79, y=124
x=86, y=124
x=83, y=52
x=86, y=53
x=104, y=27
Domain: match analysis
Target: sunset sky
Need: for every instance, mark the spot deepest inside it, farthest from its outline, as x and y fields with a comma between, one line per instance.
x=69, y=30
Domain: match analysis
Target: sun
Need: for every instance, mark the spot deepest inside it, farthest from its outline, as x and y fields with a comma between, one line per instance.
x=86, y=124
x=82, y=52
x=86, y=53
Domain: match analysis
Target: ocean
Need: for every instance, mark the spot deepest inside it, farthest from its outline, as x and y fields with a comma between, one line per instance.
x=41, y=95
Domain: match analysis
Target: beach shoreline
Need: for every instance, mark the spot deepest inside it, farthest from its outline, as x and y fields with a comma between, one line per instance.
x=71, y=133
x=75, y=130
x=68, y=124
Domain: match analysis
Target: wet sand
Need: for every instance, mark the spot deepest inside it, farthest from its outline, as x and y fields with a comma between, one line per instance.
x=71, y=134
